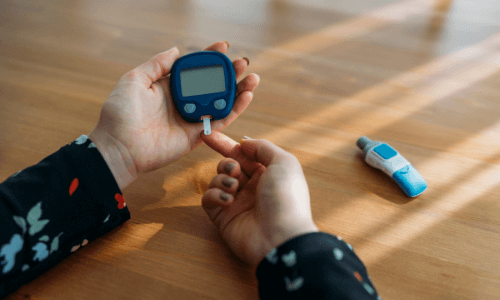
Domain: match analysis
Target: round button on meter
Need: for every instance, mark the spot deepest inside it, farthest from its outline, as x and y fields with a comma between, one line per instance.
x=203, y=86
x=190, y=108
x=220, y=104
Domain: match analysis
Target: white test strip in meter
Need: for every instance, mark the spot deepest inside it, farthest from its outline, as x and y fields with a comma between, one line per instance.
x=206, y=126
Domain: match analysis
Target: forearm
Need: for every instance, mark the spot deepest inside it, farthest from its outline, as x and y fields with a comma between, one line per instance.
x=116, y=156
x=51, y=209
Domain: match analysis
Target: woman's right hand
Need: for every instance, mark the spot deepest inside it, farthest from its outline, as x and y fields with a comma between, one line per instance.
x=268, y=201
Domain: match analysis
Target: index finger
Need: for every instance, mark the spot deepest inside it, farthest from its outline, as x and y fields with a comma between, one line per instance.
x=228, y=147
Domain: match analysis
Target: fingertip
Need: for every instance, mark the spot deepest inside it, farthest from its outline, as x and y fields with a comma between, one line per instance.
x=229, y=166
x=205, y=137
x=226, y=198
x=214, y=199
x=178, y=52
x=221, y=143
x=258, y=78
x=172, y=52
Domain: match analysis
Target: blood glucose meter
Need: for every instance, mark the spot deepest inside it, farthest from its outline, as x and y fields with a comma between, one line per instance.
x=203, y=86
x=383, y=157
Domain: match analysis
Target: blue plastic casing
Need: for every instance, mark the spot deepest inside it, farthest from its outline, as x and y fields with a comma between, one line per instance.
x=385, y=151
x=204, y=103
x=410, y=181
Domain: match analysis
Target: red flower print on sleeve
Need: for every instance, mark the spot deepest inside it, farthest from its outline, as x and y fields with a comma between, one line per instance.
x=121, y=201
x=73, y=186
x=358, y=276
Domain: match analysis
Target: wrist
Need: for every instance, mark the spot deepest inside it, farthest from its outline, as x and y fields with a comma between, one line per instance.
x=116, y=156
x=290, y=232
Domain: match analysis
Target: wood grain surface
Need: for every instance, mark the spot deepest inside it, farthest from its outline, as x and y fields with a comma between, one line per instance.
x=423, y=76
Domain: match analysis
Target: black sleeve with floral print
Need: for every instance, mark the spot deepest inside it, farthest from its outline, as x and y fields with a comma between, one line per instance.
x=315, y=265
x=49, y=210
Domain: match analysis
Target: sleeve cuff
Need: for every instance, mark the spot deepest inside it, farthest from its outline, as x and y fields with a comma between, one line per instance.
x=315, y=265
x=100, y=182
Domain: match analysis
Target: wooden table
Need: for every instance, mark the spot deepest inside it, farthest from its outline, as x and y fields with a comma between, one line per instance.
x=330, y=73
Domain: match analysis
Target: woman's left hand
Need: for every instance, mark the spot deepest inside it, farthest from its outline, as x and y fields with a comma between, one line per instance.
x=139, y=125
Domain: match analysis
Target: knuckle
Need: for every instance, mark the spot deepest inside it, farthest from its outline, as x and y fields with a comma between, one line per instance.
x=133, y=74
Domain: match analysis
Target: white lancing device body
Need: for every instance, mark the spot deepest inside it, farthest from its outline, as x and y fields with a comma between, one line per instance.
x=389, y=166
x=384, y=157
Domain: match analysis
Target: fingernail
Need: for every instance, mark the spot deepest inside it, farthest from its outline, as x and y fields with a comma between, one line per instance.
x=227, y=43
x=247, y=137
x=224, y=196
x=228, y=181
x=229, y=168
x=248, y=61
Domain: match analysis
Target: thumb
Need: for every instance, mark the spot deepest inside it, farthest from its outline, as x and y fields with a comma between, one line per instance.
x=264, y=152
x=158, y=66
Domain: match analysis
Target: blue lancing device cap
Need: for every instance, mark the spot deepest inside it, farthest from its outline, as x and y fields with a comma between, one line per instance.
x=383, y=157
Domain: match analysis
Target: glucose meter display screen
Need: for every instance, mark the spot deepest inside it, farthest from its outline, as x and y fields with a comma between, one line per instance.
x=202, y=80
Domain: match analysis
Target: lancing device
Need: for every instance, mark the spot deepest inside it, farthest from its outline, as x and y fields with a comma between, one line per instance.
x=383, y=157
x=203, y=86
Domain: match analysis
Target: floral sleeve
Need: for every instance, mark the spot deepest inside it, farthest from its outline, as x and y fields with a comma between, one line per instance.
x=314, y=266
x=51, y=209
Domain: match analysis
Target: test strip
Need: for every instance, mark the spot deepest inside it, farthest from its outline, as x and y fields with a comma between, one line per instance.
x=206, y=125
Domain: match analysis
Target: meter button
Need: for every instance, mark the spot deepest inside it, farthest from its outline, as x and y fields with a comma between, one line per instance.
x=220, y=104
x=189, y=108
